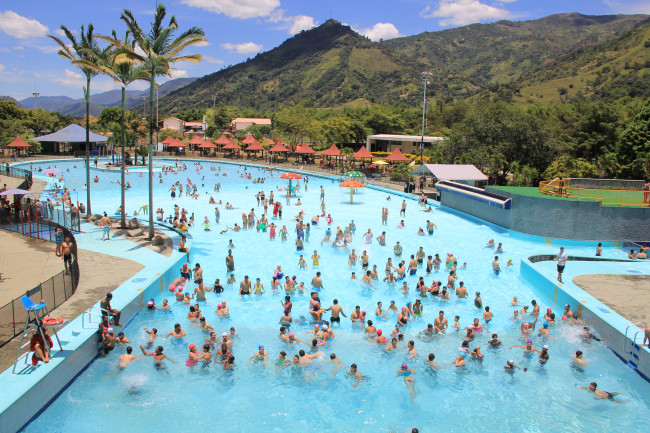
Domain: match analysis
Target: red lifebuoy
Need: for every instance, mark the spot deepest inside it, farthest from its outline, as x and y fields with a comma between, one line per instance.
x=51, y=321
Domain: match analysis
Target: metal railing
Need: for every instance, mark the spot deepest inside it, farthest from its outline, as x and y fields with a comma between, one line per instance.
x=29, y=221
x=608, y=197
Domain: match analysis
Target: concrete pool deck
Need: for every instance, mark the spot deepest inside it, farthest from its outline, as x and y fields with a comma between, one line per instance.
x=628, y=295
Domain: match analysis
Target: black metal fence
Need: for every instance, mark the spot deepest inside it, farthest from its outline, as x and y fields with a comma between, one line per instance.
x=30, y=221
x=18, y=173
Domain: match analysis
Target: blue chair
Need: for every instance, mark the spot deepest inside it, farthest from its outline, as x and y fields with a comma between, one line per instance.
x=31, y=306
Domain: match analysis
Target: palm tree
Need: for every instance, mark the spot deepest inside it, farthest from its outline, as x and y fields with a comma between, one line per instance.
x=117, y=65
x=158, y=50
x=88, y=52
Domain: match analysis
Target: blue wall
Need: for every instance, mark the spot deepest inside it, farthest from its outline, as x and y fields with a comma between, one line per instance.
x=565, y=219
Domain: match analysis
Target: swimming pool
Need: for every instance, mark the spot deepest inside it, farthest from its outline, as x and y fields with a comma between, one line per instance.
x=479, y=397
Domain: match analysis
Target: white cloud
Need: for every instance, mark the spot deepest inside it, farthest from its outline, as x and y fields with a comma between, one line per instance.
x=21, y=27
x=241, y=9
x=48, y=49
x=629, y=6
x=380, y=31
x=72, y=79
x=178, y=73
x=2, y=67
x=463, y=12
x=300, y=23
x=18, y=47
x=213, y=60
x=244, y=48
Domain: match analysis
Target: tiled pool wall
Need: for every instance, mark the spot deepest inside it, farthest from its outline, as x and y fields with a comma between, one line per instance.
x=610, y=325
x=564, y=219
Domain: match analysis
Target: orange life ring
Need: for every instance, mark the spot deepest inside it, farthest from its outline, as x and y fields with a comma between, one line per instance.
x=51, y=321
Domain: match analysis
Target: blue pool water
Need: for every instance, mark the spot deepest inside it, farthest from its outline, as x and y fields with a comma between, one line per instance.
x=477, y=398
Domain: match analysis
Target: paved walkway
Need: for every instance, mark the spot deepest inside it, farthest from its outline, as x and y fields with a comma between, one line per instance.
x=628, y=295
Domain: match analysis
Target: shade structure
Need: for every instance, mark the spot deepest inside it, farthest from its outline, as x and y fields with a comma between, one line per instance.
x=249, y=139
x=72, y=134
x=332, y=151
x=168, y=140
x=254, y=146
x=15, y=191
x=290, y=175
x=352, y=184
x=305, y=149
x=231, y=146
x=363, y=154
x=380, y=162
x=354, y=174
x=221, y=141
x=196, y=140
x=18, y=143
x=176, y=143
x=397, y=156
x=207, y=144
x=279, y=147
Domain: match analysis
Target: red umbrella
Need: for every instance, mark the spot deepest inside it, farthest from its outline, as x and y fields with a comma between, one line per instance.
x=290, y=175
x=397, y=156
x=18, y=143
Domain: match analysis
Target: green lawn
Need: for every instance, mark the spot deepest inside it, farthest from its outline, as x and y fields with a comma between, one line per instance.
x=607, y=197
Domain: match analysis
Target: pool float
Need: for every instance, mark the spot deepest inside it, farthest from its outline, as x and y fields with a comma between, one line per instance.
x=52, y=321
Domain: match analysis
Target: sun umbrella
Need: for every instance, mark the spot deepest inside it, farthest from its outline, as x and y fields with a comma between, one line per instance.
x=290, y=176
x=351, y=184
x=354, y=175
x=15, y=191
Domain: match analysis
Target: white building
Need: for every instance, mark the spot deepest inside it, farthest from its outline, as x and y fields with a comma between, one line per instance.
x=184, y=127
x=247, y=122
x=405, y=143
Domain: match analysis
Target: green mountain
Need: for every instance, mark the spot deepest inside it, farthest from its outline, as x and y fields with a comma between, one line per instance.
x=327, y=66
x=619, y=68
x=331, y=65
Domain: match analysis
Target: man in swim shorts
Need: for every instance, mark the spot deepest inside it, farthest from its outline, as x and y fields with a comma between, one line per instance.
x=561, y=259
x=105, y=305
x=495, y=266
x=67, y=254
x=593, y=387
x=106, y=226
x=337, y=310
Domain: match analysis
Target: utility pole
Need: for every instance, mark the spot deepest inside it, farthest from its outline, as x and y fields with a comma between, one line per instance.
x=425, y=80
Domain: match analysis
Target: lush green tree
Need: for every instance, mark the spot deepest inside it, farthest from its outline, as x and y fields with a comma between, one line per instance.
x=567, y=166
x=82, y=54
x=218, y=117
x=157, y=50
x=167, y=132
x=634, y=145
x=191, y=114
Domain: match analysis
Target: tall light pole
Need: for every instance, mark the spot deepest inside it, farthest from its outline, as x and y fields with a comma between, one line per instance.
x=425, y=80
x=36, y=95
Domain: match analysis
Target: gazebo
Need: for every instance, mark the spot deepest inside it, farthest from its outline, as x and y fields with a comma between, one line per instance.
x=231, y=146
x=249, y=139
x=18, y=143
x=196, y=141
x=397, y=156
x=73, y=135
x=254, y=146
x=363, y=154
x=333, y=151
x=222, y=141
x=304, y=149
x=279, y=148
x=206, y=145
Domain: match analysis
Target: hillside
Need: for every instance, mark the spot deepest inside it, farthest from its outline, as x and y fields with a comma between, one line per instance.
x=615, y=69
x=326, y=66
x=504, y=51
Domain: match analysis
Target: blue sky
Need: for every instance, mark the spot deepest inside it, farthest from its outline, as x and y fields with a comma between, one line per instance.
x=237, y=29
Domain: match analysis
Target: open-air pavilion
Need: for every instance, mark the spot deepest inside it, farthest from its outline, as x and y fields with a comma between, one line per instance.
x=72, y=138
x=461, y=173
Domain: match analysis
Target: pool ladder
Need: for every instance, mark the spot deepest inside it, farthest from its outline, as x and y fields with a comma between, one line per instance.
x=630, y=347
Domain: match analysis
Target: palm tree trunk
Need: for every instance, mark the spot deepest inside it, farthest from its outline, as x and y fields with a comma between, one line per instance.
x=88, y=210
x=151, y=89
x=123, y=225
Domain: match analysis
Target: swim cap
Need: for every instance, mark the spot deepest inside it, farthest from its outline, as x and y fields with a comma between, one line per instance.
x=151, y=299
x=363, y=312
x=291, y=334
x=478, y=293
x=165, y=300
x=109, y=330
x=404, y=366
x=192, y=347
x=378, y=332
x=548, y=310
x=530, y=341
x=150, y=303
x=545, y=347
x=403, y=308
x=545, y=325
x=224, y=334
x=261, y=347
x=184, y=264
x=325, y=327
x=510, y=362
